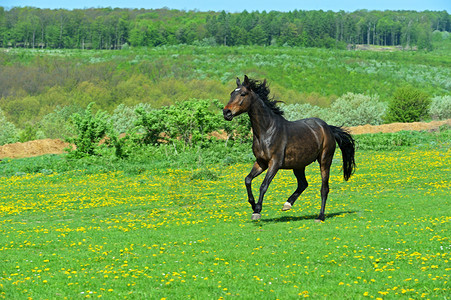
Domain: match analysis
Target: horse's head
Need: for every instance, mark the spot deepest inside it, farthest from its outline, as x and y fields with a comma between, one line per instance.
x=240, y=100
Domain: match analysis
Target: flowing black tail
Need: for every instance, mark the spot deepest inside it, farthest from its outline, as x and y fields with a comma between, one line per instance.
x=347, y=145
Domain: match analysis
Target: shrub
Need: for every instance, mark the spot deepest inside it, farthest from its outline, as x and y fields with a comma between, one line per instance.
x=298, y=111
x=187, y=121
x=238, y=130
x=350, y=110
x=29, y=133
x=89, y=131
x=152, y=123
x=192, y=120
x=356, y=109
x=56, y=125
x=408, y=105
x=8, y=132
x=440, y=108
x=124, y=117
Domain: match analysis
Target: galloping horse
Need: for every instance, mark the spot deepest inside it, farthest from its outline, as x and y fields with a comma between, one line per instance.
x=281, y=144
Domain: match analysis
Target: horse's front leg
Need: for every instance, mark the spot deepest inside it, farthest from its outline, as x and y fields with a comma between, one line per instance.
x=256, y=170
x=272, y=171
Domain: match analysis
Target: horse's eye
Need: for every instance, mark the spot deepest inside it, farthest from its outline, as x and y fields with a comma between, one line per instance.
x=243, y=94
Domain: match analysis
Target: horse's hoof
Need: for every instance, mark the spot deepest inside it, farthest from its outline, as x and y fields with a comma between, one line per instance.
x=256, y=216
x=286, y=206
x=319, y=220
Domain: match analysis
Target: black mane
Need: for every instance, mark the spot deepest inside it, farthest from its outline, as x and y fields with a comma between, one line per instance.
x=262, y=91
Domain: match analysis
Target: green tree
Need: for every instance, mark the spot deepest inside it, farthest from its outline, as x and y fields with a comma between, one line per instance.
x=3, y=29
x=408, y=105
x=424, y=40
x=288, y=35
x=258, y=36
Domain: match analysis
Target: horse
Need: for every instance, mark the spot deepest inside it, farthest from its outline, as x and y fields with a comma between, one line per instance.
x=282, y=144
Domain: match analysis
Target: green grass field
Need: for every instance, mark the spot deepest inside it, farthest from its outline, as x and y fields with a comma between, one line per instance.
x=161, y=234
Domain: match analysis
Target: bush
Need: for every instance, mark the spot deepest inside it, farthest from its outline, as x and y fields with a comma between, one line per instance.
x=8, y=132
x=440, y=108
x=239, y=130
x=356, y=109
x=29, y=133
x=408, y=105
x=89, y=131
x=124, y=117
x=189, y=122
x=152, y=123
x=193, y=120
x=293, y=112
x=349, y=110
x=55, y=125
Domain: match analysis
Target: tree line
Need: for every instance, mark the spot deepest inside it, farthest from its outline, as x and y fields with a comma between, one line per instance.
x=108, y=28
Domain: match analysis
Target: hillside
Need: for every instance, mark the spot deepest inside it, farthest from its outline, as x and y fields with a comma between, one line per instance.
x=37, y=86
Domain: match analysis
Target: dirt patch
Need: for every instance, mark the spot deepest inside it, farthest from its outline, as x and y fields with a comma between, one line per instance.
x=395, y=127
x=49, y=146
x=33, y=148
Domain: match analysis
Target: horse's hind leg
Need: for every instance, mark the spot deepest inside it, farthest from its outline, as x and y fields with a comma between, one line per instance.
x=302, y=185
x=325, y=172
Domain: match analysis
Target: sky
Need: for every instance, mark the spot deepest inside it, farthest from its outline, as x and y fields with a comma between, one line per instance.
x=240, y=5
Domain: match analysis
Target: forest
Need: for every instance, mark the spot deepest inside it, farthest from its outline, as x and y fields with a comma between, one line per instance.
x=114, y=28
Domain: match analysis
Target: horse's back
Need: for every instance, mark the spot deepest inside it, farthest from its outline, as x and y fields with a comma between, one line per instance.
x=310, y=127
x=311, y=122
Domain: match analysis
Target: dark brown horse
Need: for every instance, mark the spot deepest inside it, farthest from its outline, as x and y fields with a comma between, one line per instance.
x=281, y=144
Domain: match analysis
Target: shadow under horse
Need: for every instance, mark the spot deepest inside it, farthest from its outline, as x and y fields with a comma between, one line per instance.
x=282, y=144
x=285, y=219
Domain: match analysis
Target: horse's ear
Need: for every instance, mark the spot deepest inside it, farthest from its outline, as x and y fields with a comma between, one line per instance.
x=238, y=82
x=264, y=82
x=246, y=81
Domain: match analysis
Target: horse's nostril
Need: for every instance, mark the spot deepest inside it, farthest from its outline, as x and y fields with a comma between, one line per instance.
x=227, y=114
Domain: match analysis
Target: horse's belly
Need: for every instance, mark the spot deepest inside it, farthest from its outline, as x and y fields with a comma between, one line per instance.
x=298, y=158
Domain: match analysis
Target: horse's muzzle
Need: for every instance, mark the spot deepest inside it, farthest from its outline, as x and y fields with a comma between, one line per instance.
x=228, y=115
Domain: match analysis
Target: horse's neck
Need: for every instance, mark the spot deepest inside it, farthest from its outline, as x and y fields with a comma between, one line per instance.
x=264, y=121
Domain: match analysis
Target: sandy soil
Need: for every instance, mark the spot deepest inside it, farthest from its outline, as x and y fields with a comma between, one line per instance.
x=33, y=148
x=394, y=127
x=49, y=146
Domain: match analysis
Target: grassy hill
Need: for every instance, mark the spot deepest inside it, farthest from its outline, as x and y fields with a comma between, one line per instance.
x=34, y=82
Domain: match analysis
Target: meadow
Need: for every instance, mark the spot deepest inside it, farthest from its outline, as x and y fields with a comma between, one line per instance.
x=164, y=233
